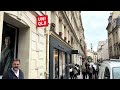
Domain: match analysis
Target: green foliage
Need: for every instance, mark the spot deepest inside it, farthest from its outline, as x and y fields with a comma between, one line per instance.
x=89, y=58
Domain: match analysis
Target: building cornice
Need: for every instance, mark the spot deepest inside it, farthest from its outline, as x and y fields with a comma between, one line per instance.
x=73, y=14
x=70, y=25
x=55, y=35
x=72, y=29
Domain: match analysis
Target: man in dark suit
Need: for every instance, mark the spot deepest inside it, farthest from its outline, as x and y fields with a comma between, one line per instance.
x=14, y=72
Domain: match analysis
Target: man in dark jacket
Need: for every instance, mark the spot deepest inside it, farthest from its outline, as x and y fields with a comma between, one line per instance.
x=14, y=72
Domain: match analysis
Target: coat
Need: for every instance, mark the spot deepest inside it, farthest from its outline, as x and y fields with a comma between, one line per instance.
x=10, y=75
x=6, y=59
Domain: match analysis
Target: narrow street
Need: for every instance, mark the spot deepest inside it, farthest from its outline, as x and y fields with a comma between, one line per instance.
x=60, y=44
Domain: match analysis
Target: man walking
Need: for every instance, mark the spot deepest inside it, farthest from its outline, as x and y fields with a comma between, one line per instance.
x=14, y=72
x=83, y=71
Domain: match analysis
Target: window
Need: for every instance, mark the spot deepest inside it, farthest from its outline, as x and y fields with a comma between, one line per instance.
x=53, y=16
x=64, y=31
x=56, y=63
x=107, y=73
x=71, y=40
x=116, y=72
x=60, y=25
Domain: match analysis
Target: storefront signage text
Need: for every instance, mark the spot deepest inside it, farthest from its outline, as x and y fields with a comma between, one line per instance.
x=42, y=21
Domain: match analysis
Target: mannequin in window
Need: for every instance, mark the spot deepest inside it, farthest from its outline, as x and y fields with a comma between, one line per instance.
x=6, y=56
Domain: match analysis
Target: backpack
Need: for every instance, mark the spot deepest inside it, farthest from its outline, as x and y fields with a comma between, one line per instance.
x=91, y=70
x=83, y=69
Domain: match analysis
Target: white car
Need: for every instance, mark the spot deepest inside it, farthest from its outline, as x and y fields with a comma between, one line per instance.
x=109, y=69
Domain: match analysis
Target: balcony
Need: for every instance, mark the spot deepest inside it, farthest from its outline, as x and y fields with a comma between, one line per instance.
x=65, y=38
x=52, y=27
x=60, y=34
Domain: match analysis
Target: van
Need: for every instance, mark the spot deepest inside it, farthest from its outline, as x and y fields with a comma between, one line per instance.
x=109, y=69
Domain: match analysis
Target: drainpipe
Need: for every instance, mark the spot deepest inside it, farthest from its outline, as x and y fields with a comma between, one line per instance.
x=46, y=53
x=47, y=49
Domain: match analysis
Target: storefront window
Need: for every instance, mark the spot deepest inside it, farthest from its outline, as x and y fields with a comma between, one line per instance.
x=56, y=63
x=61, y=63
x=68, y=58
x=8, y=47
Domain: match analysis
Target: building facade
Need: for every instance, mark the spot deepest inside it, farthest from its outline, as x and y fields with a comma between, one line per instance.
x=27, y=42
x=66, y=42
x=95, y=57
x=114, y=34
x=44, y=52
x=102, y=50
x=92, y=54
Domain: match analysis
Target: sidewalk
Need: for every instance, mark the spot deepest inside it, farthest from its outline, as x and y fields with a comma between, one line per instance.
x=80, y=76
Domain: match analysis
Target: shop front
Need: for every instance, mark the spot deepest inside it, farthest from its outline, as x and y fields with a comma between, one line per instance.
x=60, y=57
x=19, y=38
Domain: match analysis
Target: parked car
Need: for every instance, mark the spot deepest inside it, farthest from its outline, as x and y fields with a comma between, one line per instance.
x=109, y=69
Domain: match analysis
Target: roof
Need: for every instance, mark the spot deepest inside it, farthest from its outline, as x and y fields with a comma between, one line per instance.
x=113, y=63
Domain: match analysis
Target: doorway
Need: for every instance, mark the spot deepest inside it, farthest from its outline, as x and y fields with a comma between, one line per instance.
x=9, y=46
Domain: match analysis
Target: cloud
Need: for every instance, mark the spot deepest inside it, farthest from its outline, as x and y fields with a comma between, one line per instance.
x=95, y=23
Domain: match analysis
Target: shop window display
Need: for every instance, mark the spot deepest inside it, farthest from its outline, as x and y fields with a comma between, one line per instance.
x=7, y=47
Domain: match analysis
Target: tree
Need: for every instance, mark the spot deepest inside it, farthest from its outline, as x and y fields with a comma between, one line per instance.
x=89, y=59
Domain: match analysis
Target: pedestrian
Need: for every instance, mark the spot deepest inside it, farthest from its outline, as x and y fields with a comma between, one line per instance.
x=94, y=72
x=83, y=71
x=90, y=72
x=97, y=70
x=87, y=69
x=78, y=69
x=14, y=72
x=75, y=72
x=71, y=73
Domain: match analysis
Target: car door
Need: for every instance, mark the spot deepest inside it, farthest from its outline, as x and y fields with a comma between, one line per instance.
x=101, y=72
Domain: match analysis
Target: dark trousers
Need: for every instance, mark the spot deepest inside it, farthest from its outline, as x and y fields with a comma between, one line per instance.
x=84, y=74
x=90, y=75
x=75, y=76
x=71, y=75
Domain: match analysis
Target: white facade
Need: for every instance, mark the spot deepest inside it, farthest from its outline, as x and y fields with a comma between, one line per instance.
x=71, y=29
x=90, y=53
x=93, y=55
x=31, y=42
x=113, y=30
x=103, y=51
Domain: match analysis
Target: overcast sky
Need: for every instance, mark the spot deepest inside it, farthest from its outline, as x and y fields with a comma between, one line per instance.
x=94, y=24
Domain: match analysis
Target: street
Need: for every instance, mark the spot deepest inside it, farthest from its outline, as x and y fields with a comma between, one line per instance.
x=80, y=76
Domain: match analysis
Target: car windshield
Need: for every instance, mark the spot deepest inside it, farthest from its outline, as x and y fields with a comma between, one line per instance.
x=116, y=72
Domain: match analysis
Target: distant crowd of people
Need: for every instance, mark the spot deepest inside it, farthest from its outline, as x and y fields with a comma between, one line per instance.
x=74, y=71
x=90, y=71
